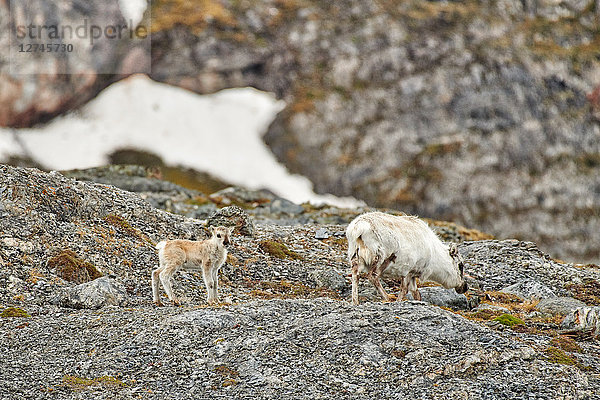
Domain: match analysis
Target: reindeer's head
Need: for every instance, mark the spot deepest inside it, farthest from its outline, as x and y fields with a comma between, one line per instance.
x=222, y=234
x=458, y=262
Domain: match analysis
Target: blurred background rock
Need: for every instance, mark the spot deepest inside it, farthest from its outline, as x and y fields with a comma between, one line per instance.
x=485, y=113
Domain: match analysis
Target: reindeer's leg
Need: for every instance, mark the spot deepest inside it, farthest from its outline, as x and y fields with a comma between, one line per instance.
x=403, y=288
x=383, y=266
x=209, y=282
x=165, y=278
x=354, y=266
x=155, y=288
x=215, y=276
x=376, y=272
x=412, y=285
x=373, y=277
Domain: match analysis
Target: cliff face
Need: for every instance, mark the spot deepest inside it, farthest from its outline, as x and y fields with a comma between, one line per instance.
x=39, y=83
x=486, y=113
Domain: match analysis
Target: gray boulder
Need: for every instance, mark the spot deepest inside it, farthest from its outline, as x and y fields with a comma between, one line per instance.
x=328, y=278
x=442, y=297
x=232, y=216
x=559, y=305
x=284, y=206
x=583, y=319
x=96, y=294
x=530, y=289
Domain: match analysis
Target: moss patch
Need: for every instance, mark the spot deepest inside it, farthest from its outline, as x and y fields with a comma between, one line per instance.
x=196, y=15
x=70, y=267
x=482, y=315
x=509, y=320
x=558, y=356
x=566, y=344
x=14, y=312
x=124, y=226
x=76, y=382
x=588, y=291
x=278, y=250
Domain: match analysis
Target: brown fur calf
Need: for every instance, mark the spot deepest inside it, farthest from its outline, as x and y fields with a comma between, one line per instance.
x=207, y=255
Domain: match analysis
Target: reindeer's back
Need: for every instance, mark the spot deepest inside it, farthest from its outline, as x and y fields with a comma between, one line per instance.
x=409, y=238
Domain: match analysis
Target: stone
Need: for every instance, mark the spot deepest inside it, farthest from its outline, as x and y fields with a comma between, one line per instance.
x=232, y=216
x=322, y=233
x=330, y=279
x=583, y=319
x=442, y=297
x=101, y=292
x=530, y=289
x=559, y=305
x=281, y=205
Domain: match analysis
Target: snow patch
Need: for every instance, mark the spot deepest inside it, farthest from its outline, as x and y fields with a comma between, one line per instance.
x=219, y=133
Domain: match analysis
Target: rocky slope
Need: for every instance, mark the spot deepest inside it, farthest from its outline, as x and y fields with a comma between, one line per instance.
x=285, y=327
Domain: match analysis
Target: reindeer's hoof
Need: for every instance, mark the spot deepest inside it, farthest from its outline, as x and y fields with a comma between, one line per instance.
x=391, y=298
x=158, y=303
x=176, y=303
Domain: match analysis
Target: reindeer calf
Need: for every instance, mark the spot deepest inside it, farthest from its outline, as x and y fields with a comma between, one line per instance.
x=207, y=255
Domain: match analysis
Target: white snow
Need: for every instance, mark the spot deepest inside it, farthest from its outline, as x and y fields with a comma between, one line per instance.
x=219, y=133
x=133, y=10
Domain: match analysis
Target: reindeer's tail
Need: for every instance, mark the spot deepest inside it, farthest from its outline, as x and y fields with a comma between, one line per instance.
x=161, y=245
x=356, y=245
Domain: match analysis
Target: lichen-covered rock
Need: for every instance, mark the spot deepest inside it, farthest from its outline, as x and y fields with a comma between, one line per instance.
x=232, y=216
x=496, y=264
x=300, y=349
x=559, y=305
x=330, y=279
x=529, y=289
x=95, y=294
x=442, y=297
x=584, y=320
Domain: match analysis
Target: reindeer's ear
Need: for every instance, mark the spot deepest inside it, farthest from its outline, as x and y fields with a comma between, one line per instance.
x=230, y=229
x=453, y=249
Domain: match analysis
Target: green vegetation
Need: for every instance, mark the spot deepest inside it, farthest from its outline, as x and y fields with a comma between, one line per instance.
x=588, y=291
x=482, y=315
x=566, y=344
x=195, y=15
x=509, y=320
x=558, y=356
x=122, y=224
x=76, y=382
x=70, y=267
x=14, y=312
x=278, y=250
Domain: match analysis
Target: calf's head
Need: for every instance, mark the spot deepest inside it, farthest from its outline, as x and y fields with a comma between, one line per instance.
x=222, y=234
x=459, y=265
